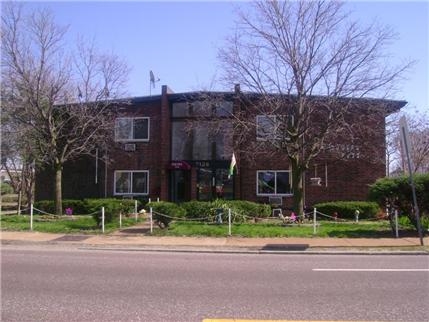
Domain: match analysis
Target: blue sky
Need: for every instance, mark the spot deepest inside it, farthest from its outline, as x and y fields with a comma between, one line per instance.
x=179, y=40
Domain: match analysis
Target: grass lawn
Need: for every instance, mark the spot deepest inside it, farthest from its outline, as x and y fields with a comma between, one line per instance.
x=368, y=229
x=63, y=224
x=87, y=225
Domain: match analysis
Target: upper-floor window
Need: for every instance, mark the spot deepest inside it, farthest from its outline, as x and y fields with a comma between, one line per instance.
x=266, y=127
x=208, y=108
x=198, y=140
x=271, y=182
x=132, y=129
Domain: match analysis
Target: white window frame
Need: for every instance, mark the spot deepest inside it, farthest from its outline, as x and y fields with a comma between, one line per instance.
x=117, y=139
x=131, y=193
x=267, y=137
x=275, y=183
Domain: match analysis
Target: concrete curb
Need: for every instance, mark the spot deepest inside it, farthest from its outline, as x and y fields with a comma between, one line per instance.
x=332, y=250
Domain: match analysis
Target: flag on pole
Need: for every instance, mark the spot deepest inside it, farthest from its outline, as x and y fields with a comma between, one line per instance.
x=232, y=165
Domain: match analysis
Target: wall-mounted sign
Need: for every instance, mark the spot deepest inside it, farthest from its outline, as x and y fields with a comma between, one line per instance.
x=179, y=165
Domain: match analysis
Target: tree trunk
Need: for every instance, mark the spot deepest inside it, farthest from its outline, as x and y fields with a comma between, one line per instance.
x=58, y=191
x=297, y=188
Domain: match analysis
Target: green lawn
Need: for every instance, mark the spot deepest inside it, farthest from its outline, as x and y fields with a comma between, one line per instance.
x=87, y=225
x=63, y=224
x=326, y=229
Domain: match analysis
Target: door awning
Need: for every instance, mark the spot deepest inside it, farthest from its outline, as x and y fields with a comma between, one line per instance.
x=179, y=165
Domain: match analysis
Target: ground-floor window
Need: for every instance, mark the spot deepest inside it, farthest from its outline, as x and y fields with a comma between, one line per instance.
x=273, y=182
x=131, y=182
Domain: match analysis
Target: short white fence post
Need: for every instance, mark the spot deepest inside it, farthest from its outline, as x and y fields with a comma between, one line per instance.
x=19, y=203
x=396, y=223
x=151, y=220
x=120, y=219
x=229, y=221
x=102, y=219
x=31, y=217
x=135, y=209
x=314, y=220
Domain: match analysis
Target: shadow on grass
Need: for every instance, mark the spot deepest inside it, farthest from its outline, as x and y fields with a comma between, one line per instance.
x=138, y=230
x=370, y=233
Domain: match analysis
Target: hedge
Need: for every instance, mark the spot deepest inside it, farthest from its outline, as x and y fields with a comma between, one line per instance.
x=48, y=206
x=346, y=209
x=197, y=209
x=241, y=210
x=6, y=188
x=165, y=212
x=396, y=193
x=112, y=207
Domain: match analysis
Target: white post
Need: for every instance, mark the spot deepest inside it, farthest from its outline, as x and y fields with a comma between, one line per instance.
x=396, y=223
x=151, y=221
x=314, y=221
x=135, y=209
x=229, y=222
x=120, y=219
x=19, y=203
x=157, y=199
x=150, y=200
x=102, y=219
x=31, y=217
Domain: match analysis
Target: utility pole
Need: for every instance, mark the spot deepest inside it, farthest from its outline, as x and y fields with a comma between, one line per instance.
x=406, y=146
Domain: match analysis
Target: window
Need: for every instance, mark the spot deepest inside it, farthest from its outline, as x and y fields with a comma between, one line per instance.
x=132, y=129
x=273, y=183
x=266, y=127
x=131, y=182
x=199, y=141
x=208, y=108
x=224, y=108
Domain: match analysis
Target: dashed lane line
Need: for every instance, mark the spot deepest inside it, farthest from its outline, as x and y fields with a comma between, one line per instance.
x=244, y=320
x=370, y=269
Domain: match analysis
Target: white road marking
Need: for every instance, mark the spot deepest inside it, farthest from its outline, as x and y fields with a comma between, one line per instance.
x=371, y=269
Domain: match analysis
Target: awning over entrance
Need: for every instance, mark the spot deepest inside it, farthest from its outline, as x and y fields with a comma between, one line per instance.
x=179, y=165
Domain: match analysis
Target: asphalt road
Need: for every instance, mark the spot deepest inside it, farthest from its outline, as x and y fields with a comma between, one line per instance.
x=92, y=285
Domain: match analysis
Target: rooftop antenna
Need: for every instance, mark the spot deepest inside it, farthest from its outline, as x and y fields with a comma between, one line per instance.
x=152, y=82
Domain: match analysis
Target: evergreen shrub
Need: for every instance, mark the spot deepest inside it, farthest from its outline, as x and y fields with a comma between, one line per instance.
x=346, y=209
x=48, y=206
x=197, y=209
x=112, y=208
x=396, y=193
x=6, y=188
x=165, y=211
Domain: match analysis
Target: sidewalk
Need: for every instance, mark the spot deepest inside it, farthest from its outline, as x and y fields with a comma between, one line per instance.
x=118, y=240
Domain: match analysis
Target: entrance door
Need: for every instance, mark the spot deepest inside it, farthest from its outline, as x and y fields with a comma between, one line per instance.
x=214, y=184
x=180, y=185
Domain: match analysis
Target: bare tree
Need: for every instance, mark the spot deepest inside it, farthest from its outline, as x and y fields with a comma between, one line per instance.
x=17, y=159
x=418, y=124
x=60, y=100
x=310, y=65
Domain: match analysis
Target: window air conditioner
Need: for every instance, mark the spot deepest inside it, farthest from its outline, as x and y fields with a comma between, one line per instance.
x=316, y=181
x=130, y=147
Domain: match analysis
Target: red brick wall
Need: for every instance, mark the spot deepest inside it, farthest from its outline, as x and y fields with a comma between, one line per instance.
x=347, y=179
x=147, y=155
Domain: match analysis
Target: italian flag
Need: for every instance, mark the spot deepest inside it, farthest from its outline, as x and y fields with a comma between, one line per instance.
x=232, y=166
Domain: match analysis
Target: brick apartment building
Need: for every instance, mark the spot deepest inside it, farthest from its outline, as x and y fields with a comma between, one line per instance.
x=156, y=155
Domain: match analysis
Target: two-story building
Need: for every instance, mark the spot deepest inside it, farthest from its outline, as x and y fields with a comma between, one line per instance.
x=178, y=147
